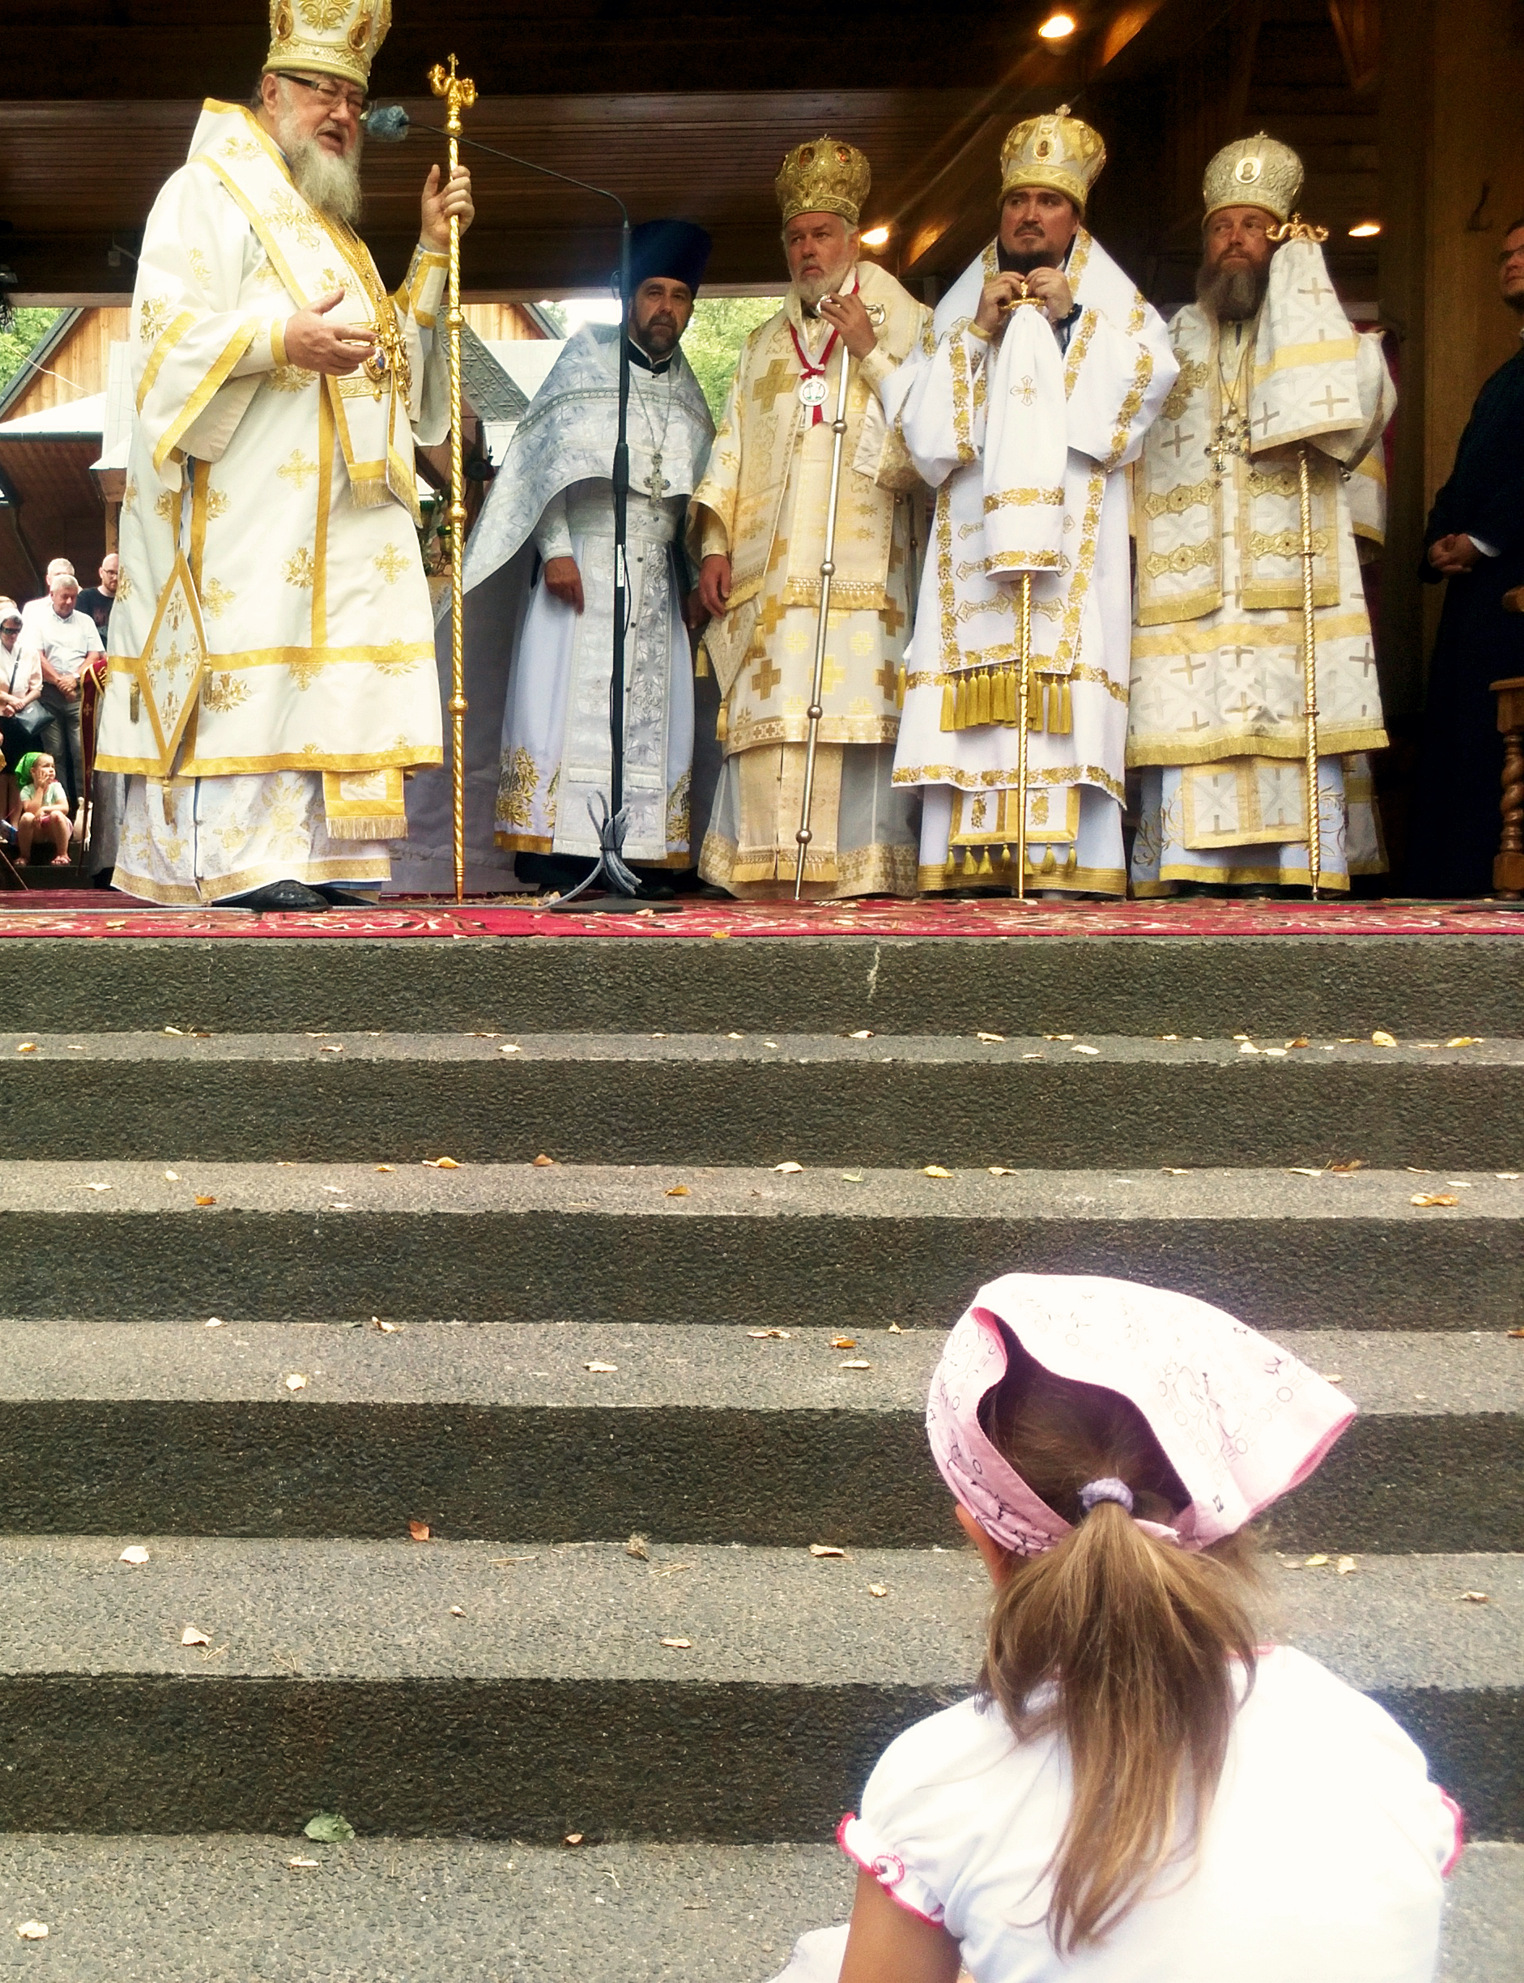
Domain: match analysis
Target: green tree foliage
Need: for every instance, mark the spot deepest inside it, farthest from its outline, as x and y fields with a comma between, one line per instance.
x=27, y=330
x=712, y=344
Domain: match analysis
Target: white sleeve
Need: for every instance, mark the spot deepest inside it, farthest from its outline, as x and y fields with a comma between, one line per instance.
x=935, y=401
x=552, y=534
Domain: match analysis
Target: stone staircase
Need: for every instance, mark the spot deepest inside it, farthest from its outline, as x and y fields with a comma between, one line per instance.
x=643, y=1337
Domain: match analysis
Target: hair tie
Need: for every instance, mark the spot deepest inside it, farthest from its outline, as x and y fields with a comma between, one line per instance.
x=1105, y=1490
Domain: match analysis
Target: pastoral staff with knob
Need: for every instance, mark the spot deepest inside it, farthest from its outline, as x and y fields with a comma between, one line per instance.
x=271, y=647
x=1217, y=726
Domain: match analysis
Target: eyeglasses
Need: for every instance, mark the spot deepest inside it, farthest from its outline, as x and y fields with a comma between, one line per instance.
x=326, y=90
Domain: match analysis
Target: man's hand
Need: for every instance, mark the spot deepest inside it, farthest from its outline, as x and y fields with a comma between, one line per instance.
x=563, y=581
x=1454, y=554
x=440, y=205
x=319, y=346
x=850, y=316
x=714, y=585
x=999, y=293
x=695, y=619
x=1052, y=285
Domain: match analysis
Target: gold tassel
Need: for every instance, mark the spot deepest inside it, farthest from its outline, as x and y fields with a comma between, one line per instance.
x=960, y=706
x=1049, y=863
x=984, y=697
x=949, y=706
x=701, y=662
x=984, y=863
x=722, y=722
x=1034, y=703
x=899, y=687
x=1060, y=707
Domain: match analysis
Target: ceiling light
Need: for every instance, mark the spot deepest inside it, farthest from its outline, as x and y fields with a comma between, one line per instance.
x=1364, y=229
x=1057, y=27
x=875, y=237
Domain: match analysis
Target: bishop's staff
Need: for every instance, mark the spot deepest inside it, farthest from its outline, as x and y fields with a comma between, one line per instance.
x=1297, y=229
x=827, y=572
x=459, y=93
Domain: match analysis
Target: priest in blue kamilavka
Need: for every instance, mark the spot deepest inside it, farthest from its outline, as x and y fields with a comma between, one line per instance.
x=540, y=584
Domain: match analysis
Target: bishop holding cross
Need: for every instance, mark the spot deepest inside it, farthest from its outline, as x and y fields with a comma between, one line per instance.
x=757, y=523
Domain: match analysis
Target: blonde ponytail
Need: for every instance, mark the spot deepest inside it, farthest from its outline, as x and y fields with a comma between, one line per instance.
x=1133, y=1649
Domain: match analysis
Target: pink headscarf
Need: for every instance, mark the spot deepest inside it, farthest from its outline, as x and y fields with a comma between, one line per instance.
x=1240, y=1420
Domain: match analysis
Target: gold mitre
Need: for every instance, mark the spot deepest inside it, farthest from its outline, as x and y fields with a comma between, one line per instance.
x=1253, y=172
x=1056, y=150
x=330, y=37
x=825, y=176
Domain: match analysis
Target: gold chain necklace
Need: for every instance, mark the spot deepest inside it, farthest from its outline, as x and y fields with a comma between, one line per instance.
x=1231, y=439
x=390, y=357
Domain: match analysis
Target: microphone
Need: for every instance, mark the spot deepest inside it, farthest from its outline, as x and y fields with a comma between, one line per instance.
x=387, y=123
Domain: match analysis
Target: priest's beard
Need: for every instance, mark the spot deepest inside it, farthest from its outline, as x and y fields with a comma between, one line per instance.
x=1022, y=261
x=330, y=184
x=813, y=288
x=1233, y=295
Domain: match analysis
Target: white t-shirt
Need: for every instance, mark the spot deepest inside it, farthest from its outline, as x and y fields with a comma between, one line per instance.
x=1323, y=1855
x=66, y=643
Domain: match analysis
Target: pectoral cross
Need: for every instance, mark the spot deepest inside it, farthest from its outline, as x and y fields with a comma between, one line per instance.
x=656, y=482
x=776, y=380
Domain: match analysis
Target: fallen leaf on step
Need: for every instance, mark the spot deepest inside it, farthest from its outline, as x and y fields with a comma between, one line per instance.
x=573, y=1838
x=176, y=1031
x=855, y=1363
x=990, y=1039
x=678, y=1191
x=1508, y=1177
x=1274, y=1053
x=334, y=1049
x=1349, y=1168
x=935, y=1170
x=544, y=1163
x=896, y=1330
x=1516, y=1333
x=1333, y=1376
x=1300, y=1041
x=214, y=1322
x=735, y=1036
x=825, y=1549
x=1082, y=1048
x=636, y=1546
x=419, y=1531
x=790, y=1167
x=303, y=1862
x=1248, y=1046
x=205, y=1198
x=1303, y=1170
x=386, y=1167
x=520, y=1049
x=97, y=1187
x=1174, y=1170
x=844, y=1342
x=1473, y=1597
x=1380, y=1039
x=296, y=1381
x=1464, y=1040
x=1058, y=1036
x=28, y=1046
x=1434, y=1198
x=878, y=1590
x=770, y=1335
x=33, y=1931
x=444, y=1164
x=387, y=1328
x=194, y=1636
x=999, y=1170
x=173, y=1176
x=851, y=1177
x=328, y=1828
x=1345, y=1567
x=601, y=1369
x=457, y=1611
x=1315, y=1562
x=679, y=1645
x=864, y=1034
x=133, y=1553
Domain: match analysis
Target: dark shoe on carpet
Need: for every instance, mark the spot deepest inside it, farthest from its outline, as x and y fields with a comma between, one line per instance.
x=655, y=888
x=277, y=896
x=339, y=897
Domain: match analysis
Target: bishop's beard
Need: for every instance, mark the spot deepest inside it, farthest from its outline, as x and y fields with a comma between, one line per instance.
x=1232, y=296
x=330, y=184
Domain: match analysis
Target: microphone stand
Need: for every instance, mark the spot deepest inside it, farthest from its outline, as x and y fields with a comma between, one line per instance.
x=391, y=124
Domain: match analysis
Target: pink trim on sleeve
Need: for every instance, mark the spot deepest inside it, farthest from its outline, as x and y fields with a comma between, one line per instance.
x=1459, y=1817
x=863, y=1849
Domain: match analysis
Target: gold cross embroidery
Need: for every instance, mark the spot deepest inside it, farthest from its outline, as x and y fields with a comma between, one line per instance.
x=832, y=675
x=771, y=616
x=888, y=679
x=891, y=616
x=766, y=679
x=774, y=382
x=297, y=469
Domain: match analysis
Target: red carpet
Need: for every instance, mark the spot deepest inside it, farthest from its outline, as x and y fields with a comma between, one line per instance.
x=80, y=913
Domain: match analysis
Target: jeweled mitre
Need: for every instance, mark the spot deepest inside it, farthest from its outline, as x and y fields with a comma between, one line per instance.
x=825, y=176
x=1056, y=150
x=1253, y=172
x=328, y=37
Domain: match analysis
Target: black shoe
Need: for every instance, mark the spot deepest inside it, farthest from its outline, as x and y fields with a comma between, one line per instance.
x=655, y=887
x=340, y=897
x=277, y=896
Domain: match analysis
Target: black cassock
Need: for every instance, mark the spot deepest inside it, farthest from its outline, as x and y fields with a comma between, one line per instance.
x=1456, y=829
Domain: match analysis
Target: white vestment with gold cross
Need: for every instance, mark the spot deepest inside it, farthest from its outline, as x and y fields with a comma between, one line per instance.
x=271, y=648
x=1117, y=369
x=1217, y=729
x=762, y=502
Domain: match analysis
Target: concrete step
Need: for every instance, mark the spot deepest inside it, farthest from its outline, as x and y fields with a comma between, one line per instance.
x=526, y=1693
x=695, y=1434
x=676, y=1243
x=1427, y=986
x=602, y=1098
x=225, y=1908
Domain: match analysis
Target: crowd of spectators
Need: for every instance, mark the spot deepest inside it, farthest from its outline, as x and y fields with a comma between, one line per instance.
x=48, y=648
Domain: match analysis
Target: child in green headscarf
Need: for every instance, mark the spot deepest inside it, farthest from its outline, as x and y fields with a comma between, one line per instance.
x=44, y=808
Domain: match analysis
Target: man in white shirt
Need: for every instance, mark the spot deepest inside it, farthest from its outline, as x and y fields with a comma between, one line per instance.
x=64, y=642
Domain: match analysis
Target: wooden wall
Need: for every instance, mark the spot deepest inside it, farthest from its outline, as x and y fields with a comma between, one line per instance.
x=82, y=358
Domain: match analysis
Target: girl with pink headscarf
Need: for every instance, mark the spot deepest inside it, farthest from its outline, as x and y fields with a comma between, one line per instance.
x=1139, y=1791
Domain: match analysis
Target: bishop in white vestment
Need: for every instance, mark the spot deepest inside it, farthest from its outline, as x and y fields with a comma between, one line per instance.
x=271, y=669
x=1022, y=416
x=1269, y=361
